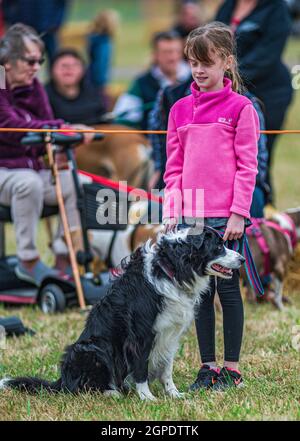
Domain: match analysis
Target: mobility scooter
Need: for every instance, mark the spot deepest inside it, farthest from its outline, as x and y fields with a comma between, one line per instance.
x=55, y=293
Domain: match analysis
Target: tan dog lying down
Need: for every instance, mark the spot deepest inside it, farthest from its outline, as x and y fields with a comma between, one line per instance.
x=120, y=157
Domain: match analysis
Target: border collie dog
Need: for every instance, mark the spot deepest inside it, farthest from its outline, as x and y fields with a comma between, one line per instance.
x=134, y=331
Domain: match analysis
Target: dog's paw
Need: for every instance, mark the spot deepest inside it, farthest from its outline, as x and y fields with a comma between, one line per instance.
x=148, y=397
x=174, y=393
x=278, y=304
x=112, y=393
x=144, y=392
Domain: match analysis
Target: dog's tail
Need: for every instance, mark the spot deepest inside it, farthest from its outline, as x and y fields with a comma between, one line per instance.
x=31, y=385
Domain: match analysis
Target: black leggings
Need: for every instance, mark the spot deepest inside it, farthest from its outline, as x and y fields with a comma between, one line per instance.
x=233, y=319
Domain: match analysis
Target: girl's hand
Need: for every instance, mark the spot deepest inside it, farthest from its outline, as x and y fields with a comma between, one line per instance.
x=235, y=227
x=170, y=224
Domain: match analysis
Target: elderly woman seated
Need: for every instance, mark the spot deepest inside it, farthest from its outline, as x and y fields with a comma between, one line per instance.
x=72, y=96
x=25, y=182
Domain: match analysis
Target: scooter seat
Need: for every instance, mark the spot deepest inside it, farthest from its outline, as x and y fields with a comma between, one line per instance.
x=5, y=213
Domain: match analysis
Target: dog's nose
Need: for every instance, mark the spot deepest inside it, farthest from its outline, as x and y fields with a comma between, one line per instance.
x=242, y=260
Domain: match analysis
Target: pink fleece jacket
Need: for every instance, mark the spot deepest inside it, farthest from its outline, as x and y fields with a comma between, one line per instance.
x=211, y=154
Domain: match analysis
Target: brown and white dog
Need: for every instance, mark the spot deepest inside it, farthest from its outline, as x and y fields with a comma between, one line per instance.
x=272, y=249
x=120, y=157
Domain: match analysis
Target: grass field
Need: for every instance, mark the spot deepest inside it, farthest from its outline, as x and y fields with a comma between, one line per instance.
x=270, y=363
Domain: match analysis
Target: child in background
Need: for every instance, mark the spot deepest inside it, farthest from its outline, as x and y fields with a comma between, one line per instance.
x=212, y=145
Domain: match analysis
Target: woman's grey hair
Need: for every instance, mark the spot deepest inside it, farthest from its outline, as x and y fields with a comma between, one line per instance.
x=13, y=44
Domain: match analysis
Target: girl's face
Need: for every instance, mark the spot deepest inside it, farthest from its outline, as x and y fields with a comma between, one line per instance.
x=209, y=77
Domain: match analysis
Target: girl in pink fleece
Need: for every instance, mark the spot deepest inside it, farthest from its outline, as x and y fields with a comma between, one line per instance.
x=210, y=173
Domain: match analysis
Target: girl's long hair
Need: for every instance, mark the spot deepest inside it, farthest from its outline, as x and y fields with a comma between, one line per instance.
x=215, y=37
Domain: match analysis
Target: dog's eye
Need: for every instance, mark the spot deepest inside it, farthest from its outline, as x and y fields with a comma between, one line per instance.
x=220, y=247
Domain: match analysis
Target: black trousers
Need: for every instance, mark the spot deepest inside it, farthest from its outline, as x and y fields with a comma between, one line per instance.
x=233, y=319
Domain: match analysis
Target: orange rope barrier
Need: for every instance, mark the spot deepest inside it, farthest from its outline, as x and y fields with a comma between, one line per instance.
x=159, y=132
x=152, y=132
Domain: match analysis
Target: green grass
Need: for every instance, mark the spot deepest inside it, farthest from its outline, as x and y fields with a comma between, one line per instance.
x=129, y=9
x=270, y=367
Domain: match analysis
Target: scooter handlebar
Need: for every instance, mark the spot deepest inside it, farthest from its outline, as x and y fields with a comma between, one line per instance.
x=59, y=138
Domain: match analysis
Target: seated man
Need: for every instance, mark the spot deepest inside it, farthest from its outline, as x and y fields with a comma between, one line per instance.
x=168, y=67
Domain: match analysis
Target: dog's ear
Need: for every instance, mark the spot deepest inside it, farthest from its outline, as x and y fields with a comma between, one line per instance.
x=198, y=240
x=211, y=230
x=199, y=237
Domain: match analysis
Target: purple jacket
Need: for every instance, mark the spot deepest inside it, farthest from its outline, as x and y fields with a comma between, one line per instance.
x=26, y=106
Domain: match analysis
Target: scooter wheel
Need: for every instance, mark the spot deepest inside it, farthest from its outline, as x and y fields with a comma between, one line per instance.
x=52, y=299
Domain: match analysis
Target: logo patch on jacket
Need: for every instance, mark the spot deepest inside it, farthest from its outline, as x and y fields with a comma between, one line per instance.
x=225, y=120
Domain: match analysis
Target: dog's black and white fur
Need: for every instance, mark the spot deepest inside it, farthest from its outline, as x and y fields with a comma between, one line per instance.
x=135, y=330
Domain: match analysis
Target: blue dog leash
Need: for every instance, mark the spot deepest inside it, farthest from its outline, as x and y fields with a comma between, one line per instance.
x=249, y=265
